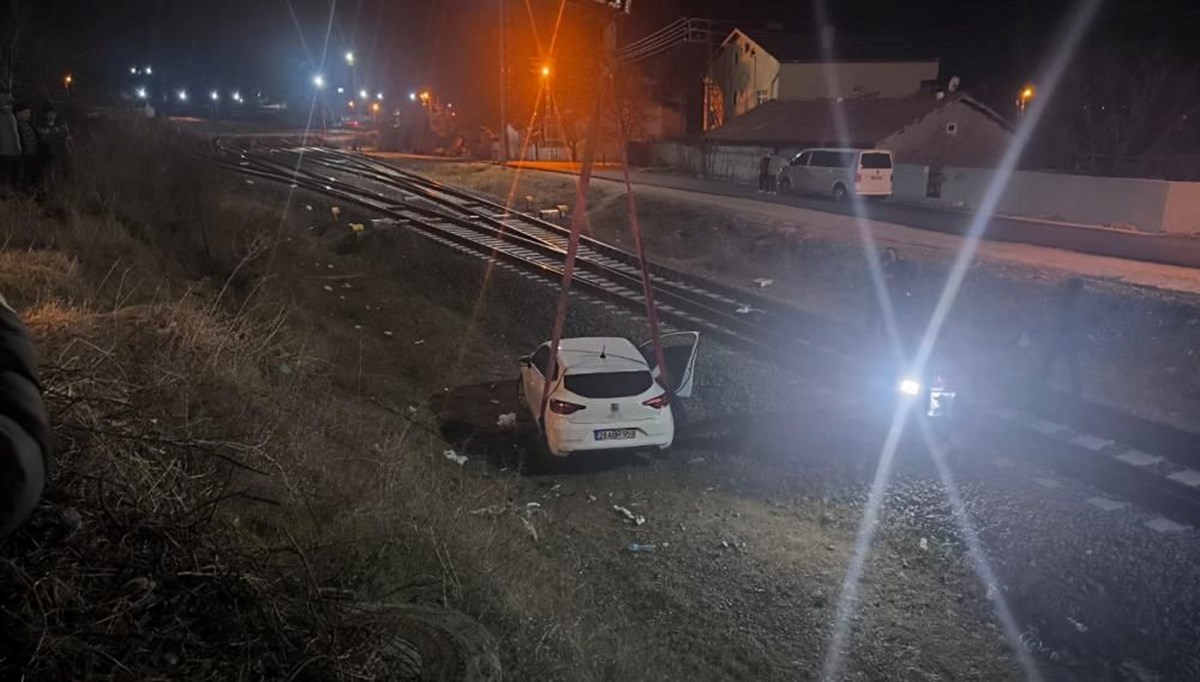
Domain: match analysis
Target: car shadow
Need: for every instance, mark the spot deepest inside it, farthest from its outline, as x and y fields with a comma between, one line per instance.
x=486, y=421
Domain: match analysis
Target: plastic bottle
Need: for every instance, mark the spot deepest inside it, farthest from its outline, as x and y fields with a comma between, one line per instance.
x=638, y=548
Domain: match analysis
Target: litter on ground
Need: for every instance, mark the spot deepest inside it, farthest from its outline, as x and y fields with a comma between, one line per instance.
x=455, y=457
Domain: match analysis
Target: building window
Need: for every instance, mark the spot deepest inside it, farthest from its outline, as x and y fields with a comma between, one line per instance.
x=951, y=128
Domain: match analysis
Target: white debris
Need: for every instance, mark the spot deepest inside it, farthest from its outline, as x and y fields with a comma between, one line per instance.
x=529, y=527
x=924, y=544
x=507, y=421
x=335, y=210
x=493, y=510
x=418, y=342
x=635, y=519
x=696, y=460
x=454, y=457
x=763, y=282
x=308, y=207
x=746, y=310
x=1078, y=626
x=387, y=333
x=327, y=288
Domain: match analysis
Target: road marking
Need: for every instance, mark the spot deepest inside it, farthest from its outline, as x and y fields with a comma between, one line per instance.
x=1093, y=443
x=1106, y=504
x=1162, y=524
x=1138, y=458
x=1048, y=483
x=1188, y=477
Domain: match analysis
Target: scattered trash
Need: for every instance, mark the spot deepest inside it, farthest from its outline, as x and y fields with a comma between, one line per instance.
x=358, y=326
x=387, y=333
x=285, y=369
x=249, y=182
x=924, y=544
x=330, y=266
x=746, y=310
x=529, y=527
x=697, y=460
x=454, y=457
x=493, y=510
x=341, y=298
x=635, y=519
x=1078, y=626
x=418, y=342
x=347, y=285
x=327, y=288
x=358, y=227
x=637, y=548
x=763, y=282
x=507, y=421
x=412, y=409
x=336, y=211
x=494, y=401
x=591, y=498
x=308, y=207
x=532, y=505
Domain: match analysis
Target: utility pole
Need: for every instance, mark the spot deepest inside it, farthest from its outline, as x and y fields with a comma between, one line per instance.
x=502, y=143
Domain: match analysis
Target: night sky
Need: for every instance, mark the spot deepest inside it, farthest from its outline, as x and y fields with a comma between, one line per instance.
x=450, y=45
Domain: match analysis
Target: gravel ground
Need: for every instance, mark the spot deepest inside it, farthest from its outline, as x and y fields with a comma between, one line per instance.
x=752, y=533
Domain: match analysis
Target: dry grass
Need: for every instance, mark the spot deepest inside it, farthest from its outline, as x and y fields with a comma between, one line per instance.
x=222, y=493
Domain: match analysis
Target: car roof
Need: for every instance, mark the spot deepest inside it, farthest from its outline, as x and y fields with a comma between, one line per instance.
x=843, y=149
x=598, y=354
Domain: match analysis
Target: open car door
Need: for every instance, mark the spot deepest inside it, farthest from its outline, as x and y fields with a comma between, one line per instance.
x=679, y=352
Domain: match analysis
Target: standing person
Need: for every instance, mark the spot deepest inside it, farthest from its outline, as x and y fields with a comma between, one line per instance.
x=55, y=138
x=31, y=167
x=10, y=145
x=1066, y=336
x=764, y=174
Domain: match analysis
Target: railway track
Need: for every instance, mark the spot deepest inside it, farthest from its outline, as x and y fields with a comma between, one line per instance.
x=1092, y=444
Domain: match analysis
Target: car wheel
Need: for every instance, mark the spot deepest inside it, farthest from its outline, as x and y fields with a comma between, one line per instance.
x=785, y=185
x=840, y=194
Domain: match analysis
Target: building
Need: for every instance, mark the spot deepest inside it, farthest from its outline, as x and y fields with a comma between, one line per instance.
x=928, y=130
x=755, y=67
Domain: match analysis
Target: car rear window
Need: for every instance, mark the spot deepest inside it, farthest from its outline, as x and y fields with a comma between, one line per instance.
x=609, y=384
x=876, y=160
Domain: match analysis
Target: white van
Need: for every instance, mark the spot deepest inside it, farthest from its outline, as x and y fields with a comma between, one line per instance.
x=838, y=173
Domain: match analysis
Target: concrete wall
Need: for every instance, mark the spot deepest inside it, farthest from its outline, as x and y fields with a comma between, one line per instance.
x=1149, y=206
x=810, y=80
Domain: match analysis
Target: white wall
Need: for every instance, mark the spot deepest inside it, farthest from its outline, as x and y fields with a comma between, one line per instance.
x=1123, y=203
x=811, y=80
x=1150, y=206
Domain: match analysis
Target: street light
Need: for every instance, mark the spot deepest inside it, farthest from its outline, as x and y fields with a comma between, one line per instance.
x=236, y=96
x=364, y=94
x=350, y=58
x=412, y=96
x=182, y=94
x=379, y=96
x=133, y=70
x=1023, y=99
x=546, y=71
x=141, y=93
x=215, y=96
x=67, y=80
x=341, y=90
x=319, y=81
x=149, y=71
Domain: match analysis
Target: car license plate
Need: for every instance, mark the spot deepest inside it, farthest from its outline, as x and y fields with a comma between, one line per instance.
x=616, y=434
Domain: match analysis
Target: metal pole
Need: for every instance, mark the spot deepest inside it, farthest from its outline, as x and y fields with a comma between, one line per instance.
x=502, y=143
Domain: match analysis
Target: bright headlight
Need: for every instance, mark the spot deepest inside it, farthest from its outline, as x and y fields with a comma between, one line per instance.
x=910, y=387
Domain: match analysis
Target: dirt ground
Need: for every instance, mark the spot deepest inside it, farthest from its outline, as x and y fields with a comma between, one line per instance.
x=1140, y=355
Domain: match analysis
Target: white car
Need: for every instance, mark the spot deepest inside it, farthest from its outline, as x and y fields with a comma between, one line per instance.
x=607, y=393
x=838, y=173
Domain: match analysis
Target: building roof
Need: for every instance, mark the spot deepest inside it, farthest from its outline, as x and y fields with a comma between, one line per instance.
x=791, y=47
x=812, y=122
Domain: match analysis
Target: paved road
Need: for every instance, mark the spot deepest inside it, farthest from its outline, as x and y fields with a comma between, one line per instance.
x=1181, y=251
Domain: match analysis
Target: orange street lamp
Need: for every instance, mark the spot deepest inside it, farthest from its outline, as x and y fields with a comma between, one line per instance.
x=546, y=71
x=67, y=80
x=375, y=107
x=1023, y=99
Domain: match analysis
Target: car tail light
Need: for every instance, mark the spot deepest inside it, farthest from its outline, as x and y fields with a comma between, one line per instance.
x=658, y=402
x=564, y=407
